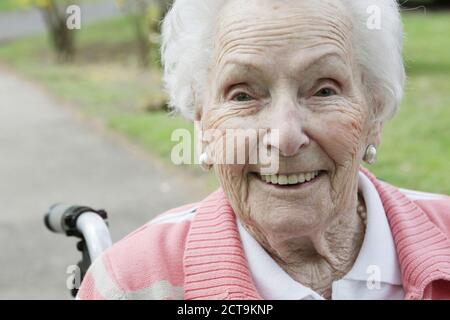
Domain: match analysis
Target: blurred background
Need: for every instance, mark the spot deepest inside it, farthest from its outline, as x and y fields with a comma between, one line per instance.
x=83, y=120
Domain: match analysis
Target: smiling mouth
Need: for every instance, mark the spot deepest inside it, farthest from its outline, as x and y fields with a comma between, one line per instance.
x=291, y=179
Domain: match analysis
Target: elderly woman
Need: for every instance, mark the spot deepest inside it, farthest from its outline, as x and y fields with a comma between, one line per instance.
x=320, y=78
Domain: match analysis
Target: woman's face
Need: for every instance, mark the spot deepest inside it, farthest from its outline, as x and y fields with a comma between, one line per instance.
x=288, y=67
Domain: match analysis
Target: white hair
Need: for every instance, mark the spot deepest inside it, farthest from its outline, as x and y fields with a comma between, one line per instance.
x=187, y=41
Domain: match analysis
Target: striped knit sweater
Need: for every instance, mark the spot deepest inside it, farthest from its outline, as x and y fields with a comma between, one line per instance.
x=195, y=252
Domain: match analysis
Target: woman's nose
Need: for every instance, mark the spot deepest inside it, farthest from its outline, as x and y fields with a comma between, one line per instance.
x=288, y=136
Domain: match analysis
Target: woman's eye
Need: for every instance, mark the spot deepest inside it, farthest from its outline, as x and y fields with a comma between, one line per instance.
x=242, y=97
x=325, y=92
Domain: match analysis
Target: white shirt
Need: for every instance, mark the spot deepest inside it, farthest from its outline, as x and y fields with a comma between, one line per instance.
x=375, y=274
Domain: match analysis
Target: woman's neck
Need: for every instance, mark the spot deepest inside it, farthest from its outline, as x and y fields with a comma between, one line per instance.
x=318, y=259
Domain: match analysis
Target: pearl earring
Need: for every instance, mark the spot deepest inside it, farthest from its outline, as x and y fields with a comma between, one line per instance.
x=205, y=162
x=370, y=155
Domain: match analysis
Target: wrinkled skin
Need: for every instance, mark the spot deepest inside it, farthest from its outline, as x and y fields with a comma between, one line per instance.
x=270, y=61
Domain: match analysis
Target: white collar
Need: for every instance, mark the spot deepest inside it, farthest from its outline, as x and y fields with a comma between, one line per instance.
x=378, y=249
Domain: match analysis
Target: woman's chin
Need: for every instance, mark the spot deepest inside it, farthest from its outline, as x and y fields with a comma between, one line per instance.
x=299, y=206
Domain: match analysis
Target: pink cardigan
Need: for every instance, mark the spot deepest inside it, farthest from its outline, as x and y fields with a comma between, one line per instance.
x=195, y=252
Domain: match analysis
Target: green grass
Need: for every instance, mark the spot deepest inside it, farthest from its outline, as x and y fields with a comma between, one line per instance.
x=9, y=5
x=151, y=129
x=415, y=150
x=105, y=82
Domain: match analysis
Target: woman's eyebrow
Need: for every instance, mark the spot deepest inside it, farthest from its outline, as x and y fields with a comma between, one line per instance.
x=305, y=64
x=236, y=66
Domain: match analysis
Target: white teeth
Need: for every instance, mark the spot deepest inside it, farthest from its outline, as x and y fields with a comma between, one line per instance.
x=282, y=179
x=301, y=177
x=292, y=179
x=274, y=179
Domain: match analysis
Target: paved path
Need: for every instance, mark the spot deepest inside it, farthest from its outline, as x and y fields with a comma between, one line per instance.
x=48, y=155
x=14, y=25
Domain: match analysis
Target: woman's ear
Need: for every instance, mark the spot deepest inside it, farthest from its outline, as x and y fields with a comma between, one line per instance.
x=198, y=114
x=375, y=133
x=198, y=117
x=378, y=133
x=376, y=102
x=376, y=127
x=203, y=152
x=198, y=134
x=198, y=107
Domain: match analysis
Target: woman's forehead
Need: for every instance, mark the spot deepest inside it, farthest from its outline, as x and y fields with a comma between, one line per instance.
x=277, y=29
x=283, y=13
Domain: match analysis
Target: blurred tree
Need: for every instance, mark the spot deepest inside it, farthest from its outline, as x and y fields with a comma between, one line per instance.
x=145, y=16
x=55, y=17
